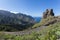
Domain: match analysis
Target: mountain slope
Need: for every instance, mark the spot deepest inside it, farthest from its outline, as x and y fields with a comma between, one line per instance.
x=17, y=21
x=51, y=32
x=47, y=29
x=48, y=18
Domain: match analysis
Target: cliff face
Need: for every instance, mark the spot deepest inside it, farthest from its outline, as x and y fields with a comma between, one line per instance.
x=47, y=13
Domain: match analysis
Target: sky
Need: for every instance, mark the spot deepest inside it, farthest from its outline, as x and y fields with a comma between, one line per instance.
x=30, y=7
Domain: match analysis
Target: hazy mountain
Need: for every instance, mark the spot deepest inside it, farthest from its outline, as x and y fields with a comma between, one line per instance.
x=37, y=19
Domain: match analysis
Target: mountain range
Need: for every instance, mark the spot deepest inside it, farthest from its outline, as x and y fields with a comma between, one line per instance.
x=10, y=21
x=37, y=19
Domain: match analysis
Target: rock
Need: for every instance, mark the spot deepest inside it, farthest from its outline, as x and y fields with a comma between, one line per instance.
x=47, y=13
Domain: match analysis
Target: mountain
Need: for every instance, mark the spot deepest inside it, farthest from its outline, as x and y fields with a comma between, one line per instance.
x=47, y=29
x=37, y=19
x=48, y=19
x=49, y=26
x=17, y=21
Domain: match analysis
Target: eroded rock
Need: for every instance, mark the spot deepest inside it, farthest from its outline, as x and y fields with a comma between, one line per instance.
x=47, y=13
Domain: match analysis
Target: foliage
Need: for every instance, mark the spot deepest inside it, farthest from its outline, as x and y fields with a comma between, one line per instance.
x=46, y=21
x=14, y=27
x=51, y=32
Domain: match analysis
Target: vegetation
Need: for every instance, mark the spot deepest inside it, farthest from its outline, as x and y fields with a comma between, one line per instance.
x=15, y=22
x=51, y=32
x=15, y=27
x=45, y=22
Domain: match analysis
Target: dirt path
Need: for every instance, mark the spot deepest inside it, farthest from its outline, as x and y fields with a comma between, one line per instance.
x=26, y=31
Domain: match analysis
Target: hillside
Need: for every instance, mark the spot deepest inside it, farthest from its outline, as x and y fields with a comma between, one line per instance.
x=51, y=32
x=48, y=19
x=47, y=29
x=10, y=21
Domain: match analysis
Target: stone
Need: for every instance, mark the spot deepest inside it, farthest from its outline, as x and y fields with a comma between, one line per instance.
x=51, y=12
x=47, y=13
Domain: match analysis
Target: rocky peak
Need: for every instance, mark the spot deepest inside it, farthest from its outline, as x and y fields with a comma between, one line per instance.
x=47, y=13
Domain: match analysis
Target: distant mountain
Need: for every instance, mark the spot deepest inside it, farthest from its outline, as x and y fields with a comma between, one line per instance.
x=18, y=21
x=37, y=19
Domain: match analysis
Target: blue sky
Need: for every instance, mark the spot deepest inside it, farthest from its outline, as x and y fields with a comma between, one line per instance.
x=30, y=7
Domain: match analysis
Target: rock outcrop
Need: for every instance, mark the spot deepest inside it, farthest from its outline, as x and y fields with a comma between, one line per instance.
x=47, y=13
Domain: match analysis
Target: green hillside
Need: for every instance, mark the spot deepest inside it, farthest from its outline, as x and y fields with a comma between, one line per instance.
x=47, y=21
x=51, y=32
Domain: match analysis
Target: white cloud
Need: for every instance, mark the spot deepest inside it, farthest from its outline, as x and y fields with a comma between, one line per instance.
x=14, y=12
